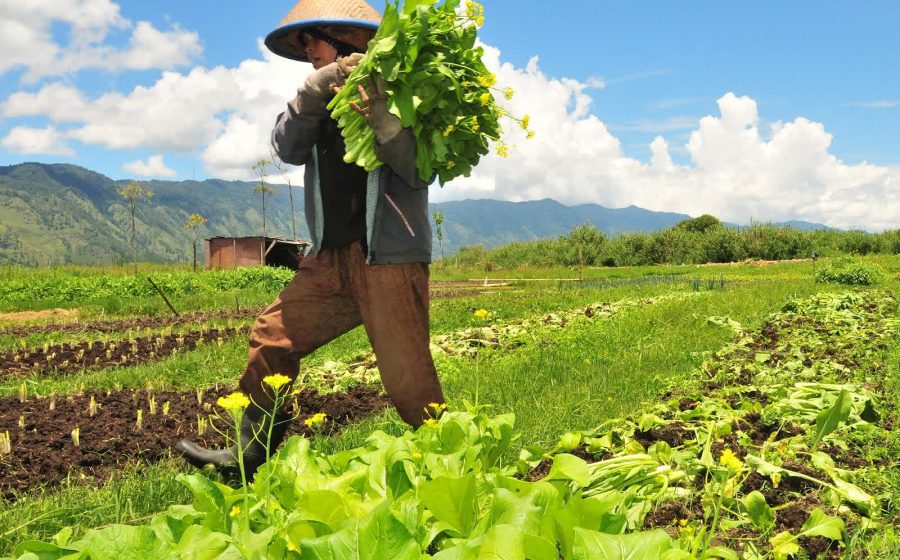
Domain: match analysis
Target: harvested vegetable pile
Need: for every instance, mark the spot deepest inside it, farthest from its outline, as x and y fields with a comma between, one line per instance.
x=436, y=83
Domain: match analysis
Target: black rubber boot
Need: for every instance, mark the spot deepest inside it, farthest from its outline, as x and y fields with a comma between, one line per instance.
x=253, y=435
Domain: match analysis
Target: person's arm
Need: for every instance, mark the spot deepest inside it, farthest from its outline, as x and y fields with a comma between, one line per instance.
x=395, y=146
x=297, y=129
x=399, y=153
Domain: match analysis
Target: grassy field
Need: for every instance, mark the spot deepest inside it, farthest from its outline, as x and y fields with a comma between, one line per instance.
x=556, y=378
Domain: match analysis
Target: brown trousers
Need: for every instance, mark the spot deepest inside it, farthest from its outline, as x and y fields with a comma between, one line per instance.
x=333, y=292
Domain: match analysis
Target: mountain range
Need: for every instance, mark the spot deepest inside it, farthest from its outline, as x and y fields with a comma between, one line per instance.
x=63, y=213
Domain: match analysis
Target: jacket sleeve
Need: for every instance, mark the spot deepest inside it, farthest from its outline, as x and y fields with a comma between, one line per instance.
x=399, y=153
x=297, y=129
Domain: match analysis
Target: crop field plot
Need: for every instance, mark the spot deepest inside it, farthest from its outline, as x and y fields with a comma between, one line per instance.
x=736, y=412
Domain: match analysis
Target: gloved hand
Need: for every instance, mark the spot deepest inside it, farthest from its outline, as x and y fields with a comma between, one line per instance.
x=320, y=85
x=385, y=124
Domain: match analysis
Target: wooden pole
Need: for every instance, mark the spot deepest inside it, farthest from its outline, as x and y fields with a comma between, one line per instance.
x=165, y=299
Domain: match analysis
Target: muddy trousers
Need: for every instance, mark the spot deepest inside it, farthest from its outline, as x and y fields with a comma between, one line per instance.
x=333, y=292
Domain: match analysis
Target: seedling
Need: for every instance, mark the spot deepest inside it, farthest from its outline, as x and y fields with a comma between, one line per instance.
x=76, y=437
x=5, y=444
x=152, y=404
x=92, y=407
x=201, y=425
x=23, y=392
x=140, y=419
x=165, y=408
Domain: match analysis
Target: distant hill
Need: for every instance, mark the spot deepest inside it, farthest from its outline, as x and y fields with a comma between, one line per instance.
x=61, y=213
x=68, y=214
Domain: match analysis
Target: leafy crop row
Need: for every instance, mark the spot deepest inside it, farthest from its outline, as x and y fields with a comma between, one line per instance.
x=759, y=462
x=65, y=288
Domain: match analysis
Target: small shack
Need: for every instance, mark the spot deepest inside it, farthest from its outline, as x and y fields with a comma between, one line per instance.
x=235, y=252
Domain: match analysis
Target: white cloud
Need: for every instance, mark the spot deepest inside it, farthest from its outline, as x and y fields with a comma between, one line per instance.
x=27, y=41
x=663, y=125
x=44, y=141
x=736, y=171
x=225, y=113
x=878, y=104
x=153, y=167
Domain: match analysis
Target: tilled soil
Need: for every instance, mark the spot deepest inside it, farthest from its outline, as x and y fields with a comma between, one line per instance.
x=76, y=356
x=439, y=290
x=108, y=326
x=44, y=454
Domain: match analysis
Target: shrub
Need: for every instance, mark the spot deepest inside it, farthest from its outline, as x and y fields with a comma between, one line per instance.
x=850, y=272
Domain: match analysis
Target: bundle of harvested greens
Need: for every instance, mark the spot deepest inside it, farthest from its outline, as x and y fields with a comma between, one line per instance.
x=436, y=83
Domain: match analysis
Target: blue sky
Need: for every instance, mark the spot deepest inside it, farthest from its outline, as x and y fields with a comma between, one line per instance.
x=815, y=83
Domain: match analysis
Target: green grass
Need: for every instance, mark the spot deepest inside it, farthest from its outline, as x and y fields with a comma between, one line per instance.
x=210, y=364
x=564, y=380
x=137, y=493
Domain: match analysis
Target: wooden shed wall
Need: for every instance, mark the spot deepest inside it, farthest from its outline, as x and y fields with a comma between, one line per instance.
x=234, y=253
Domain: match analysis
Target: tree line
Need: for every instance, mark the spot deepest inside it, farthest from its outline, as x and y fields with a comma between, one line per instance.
x=695, y=241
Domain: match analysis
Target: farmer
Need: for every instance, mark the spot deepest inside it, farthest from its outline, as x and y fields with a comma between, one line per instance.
x=371, y=238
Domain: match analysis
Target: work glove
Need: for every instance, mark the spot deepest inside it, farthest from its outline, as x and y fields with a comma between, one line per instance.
x=321, y=84
x=374, y=108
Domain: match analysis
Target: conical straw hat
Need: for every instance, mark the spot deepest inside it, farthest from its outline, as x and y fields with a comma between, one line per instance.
x=322, y=13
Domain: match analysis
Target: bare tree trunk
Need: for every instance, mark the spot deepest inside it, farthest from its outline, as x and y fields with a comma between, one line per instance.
x=134, y=235
x=264, y=213
x=293, y=217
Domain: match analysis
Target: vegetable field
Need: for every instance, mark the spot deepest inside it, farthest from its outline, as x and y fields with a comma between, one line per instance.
x=735, y=412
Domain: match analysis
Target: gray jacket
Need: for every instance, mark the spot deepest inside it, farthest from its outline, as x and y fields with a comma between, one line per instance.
x=397, y=224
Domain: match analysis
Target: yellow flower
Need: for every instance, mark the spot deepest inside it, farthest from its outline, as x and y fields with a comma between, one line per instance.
x=530, y=134
x=450, y=128
x=503, y=150
x=526, y=120
x=234, y=402
x=276, y=381
x=776, y=479
x=235, y=510
x=292, y=547
x=475, y=12
x=482, y=313
x=416, y=455
x=509, y=92
x=730, y=460
x=683, y=522
x=451, y=164
x=437, y=407
x=315, y=420
x=475, y=125
x=485, y=98
x=431, y=423
x=487, y=81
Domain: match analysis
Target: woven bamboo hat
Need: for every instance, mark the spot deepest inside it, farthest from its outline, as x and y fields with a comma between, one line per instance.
x=349, y=21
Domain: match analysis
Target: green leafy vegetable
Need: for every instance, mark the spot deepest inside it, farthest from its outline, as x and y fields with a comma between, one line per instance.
x=436, y=83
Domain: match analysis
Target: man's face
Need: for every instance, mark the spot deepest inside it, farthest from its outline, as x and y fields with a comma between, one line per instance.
x=317, y=51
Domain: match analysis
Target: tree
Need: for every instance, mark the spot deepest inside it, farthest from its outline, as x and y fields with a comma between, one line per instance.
x=700, y=224
x=134, y=192
x=262, y=189
x=194, y=224
x=279, y=165
x=438, y=216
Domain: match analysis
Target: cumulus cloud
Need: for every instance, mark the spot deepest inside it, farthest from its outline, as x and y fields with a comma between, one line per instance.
x=153, y=167
x=737, y=169
x=26, y=39
x=43, y=141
